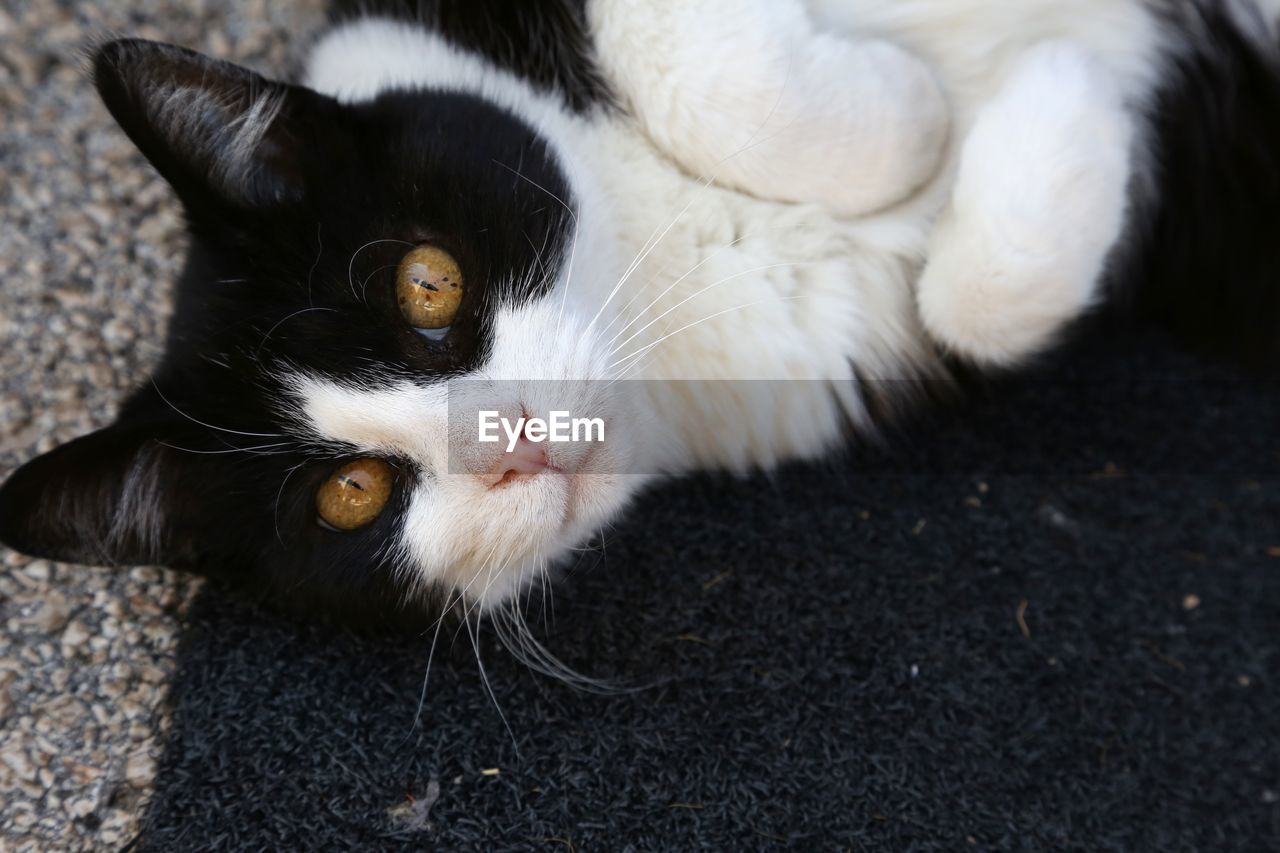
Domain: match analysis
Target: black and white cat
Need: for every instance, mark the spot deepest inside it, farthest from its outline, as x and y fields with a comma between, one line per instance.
x=542, y=199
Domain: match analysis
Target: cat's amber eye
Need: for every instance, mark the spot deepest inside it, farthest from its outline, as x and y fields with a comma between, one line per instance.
x=429, y=287
x=355, y=494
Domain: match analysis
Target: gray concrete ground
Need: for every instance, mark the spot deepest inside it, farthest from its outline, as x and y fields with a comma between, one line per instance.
x=90, y=243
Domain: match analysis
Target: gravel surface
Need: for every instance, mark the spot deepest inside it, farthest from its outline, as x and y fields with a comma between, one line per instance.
x=90, y=245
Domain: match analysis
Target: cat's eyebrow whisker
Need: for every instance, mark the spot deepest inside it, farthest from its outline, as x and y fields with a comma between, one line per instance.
x=573, y=250
x=257, y=354
x=275, y=514
x=249, y=450
x=319, y=253
x=537, y=253
x=364, y=285
x=168, y=403
x=568, y=276
x=351, y=263
x=534, y=183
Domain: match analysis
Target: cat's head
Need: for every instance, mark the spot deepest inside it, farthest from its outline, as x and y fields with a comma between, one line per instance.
x=321, y=334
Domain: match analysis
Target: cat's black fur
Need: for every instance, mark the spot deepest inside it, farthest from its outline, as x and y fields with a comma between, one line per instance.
x=1206, y=260
x=328, y=180
x=276, y=233
x=545, y=42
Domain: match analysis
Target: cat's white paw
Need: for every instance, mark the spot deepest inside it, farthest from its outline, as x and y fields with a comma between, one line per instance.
x=1039, y=202
x=995, y=302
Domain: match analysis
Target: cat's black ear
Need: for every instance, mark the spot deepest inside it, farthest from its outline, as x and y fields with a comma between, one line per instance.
x=100, y=499
x=208, y=126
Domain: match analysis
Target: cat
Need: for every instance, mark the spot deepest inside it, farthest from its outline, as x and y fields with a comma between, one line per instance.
x=729, y=231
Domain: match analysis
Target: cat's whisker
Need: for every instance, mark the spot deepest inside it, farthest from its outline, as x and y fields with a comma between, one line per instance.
x=275, y=512
x=319, y=254
x=168, y=403
x=689, y=326
x=635, y=365
x=646, y=250
x=351, y=263
x=695, y=295
x=484, y=678
x=426, y=676
x=542, y=581
x=492, y=565
x=249, y=450
x=551, y=596
x=706, y=182
x=257, y=354
x=573, y=248
x=537, y=253
x=519, y=644
x=448, y=607
x=364, y=285
x=524, y=647
x=512, y=628
x=476, y=605
x=486, y=562
x=640, y=314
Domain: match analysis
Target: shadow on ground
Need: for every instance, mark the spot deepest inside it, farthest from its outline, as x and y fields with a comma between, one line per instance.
x=1049, y=620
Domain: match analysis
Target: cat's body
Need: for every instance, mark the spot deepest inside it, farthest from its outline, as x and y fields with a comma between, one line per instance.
x=820, y=204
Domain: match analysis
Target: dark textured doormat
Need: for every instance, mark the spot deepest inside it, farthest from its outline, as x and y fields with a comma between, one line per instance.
x=1047, y=620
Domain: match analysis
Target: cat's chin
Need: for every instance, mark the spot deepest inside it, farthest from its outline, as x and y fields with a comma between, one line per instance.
x=564, y=512
x=512, y=534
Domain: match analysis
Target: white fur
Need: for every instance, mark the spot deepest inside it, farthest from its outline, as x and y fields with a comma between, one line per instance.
x=762, y=274
x=751, y=93
x=1037, y=206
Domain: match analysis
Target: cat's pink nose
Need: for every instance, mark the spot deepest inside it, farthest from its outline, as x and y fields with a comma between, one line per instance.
x=526, y=459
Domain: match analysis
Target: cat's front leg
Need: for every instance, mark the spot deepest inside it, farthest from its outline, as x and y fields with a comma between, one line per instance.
x=750, y=94
x=1040, y=201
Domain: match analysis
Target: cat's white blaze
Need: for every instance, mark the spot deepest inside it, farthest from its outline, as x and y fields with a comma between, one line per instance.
x=458, y=530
